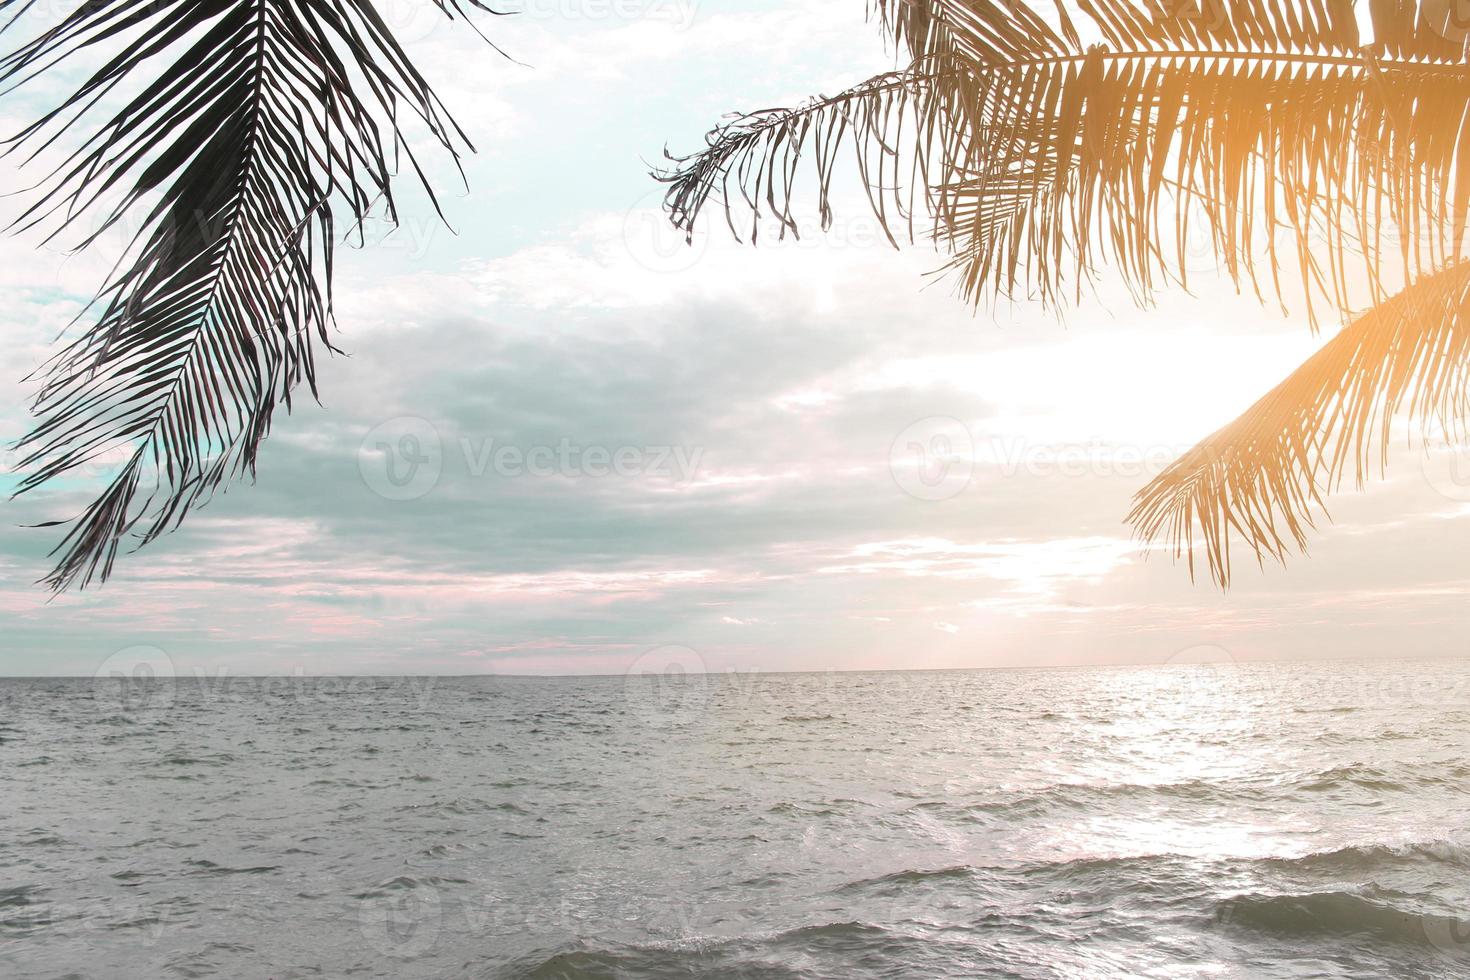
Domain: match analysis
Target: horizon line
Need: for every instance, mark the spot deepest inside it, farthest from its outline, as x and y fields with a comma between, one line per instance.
x=1422, y=658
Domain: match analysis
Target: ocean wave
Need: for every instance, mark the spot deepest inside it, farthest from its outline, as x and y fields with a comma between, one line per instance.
x=408, y=883
x=804, y=810
x=1133, y=867
x=765, y=956
x=1084, y=796
x=205, y=867
x=19, y=895
x=913, y=876
x=1163, y=866
x=221, y=759
x=1224, y=791
x=465, y=806
x=1339, y=913
x=1355, y=774
x=1369, y=857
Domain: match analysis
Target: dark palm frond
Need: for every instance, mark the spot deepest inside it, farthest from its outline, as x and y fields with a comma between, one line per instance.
x=1265, y=474
x=248, y=130
x=1041, y=144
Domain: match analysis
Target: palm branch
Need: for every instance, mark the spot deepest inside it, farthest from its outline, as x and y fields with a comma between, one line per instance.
x=248, y=132
x=1037, y=146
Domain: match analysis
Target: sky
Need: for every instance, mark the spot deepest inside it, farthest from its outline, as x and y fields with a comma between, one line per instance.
x=562, y=441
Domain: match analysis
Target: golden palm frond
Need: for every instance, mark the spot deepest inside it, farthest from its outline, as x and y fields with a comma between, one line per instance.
x=1039, y=145
x=1264, y=474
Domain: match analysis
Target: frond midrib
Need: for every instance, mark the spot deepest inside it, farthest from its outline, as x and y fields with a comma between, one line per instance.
x=229, y=235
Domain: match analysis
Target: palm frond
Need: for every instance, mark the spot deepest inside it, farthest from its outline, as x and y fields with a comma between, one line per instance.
x=1264, y=475
x=248, y=130
x=1038, y=145
x=1035, y=158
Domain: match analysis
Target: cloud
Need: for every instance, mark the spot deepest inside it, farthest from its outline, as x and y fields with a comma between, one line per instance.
x=563, y=313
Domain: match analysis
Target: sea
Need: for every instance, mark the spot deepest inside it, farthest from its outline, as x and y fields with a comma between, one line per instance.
x=1189, y=821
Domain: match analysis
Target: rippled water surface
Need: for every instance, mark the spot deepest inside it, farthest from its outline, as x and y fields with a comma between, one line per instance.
x=1262, y=821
